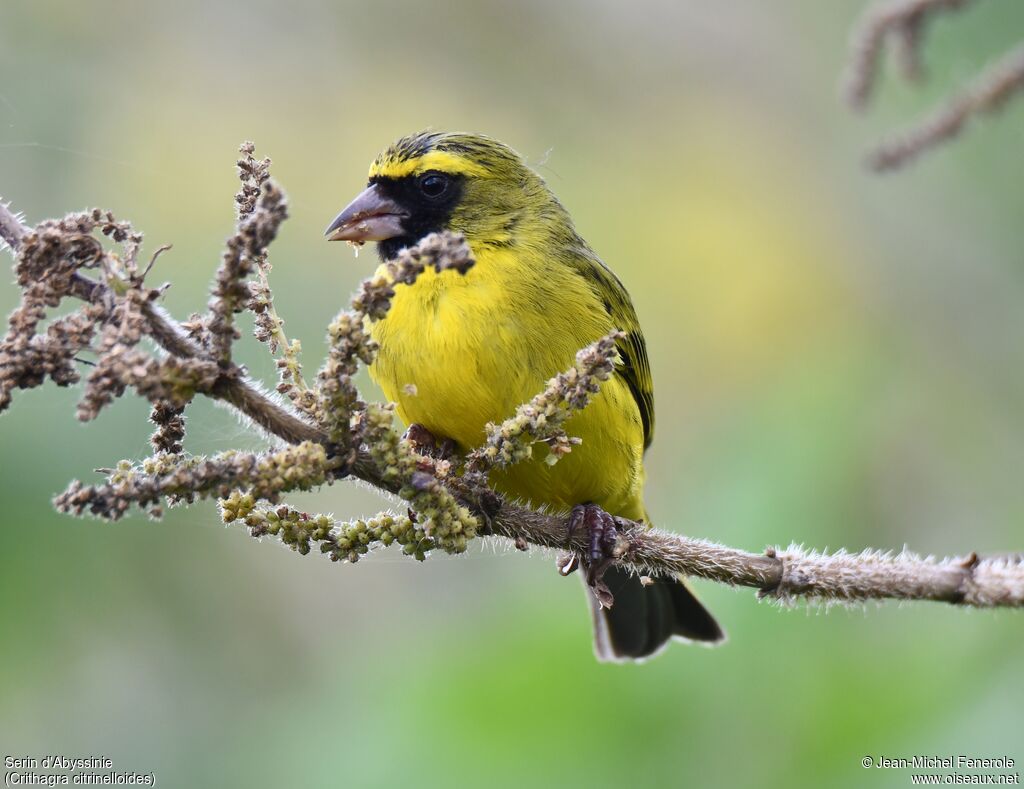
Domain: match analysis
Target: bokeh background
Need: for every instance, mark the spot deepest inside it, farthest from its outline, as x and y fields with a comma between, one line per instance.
x=838, y=359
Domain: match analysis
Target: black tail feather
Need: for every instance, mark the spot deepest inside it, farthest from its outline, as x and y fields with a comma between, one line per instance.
x=644, y=618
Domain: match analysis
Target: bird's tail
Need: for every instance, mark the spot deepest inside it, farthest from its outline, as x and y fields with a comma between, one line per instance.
x=644, y=618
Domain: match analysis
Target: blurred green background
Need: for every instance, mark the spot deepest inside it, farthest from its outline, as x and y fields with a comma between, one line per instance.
x=838, y=359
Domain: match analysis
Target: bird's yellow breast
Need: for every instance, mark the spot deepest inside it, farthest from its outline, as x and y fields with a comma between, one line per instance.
x=459, y=351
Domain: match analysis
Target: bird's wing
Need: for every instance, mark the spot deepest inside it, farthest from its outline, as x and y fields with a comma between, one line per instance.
x=633, y=367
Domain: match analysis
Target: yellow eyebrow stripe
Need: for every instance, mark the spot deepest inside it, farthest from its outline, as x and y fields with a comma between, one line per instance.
x=435, y=160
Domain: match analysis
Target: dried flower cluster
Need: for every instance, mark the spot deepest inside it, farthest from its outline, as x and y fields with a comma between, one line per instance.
x=268, y=325
x=246, y=249
x=902, y=22
x=170, y=427
x=44, y=269
x=329, y=433
x=50, y=267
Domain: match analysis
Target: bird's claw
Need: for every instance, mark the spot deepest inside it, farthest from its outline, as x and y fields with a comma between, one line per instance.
x=567, y=563
x=602, y=540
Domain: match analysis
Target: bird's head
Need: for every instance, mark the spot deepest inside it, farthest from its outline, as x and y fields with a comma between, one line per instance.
x=433, y=181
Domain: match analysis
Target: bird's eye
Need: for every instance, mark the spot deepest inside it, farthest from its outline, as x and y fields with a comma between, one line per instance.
x=433, y=184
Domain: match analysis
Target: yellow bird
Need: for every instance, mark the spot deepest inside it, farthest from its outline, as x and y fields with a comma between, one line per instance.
x=476, y=346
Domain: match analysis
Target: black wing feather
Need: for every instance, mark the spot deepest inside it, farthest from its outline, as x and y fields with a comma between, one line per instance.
x=633, y=367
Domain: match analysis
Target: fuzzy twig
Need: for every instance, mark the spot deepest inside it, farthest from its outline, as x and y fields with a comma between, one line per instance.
x=902, y=22
x=990, y=91
x=447, y=507
x=784, y=575
x=12, y=229
x=795, y=573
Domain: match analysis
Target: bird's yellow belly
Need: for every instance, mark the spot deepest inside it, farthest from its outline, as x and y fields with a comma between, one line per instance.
x=456, y=354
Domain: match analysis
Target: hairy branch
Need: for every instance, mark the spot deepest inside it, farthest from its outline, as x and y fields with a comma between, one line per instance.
x=987, y=94
x=903, y=23
x=792, y=573
x=337, y=435
x=902, y=20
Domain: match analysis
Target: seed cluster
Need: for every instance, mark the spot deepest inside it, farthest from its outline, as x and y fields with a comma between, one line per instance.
x=346, y=541
x=183, y=480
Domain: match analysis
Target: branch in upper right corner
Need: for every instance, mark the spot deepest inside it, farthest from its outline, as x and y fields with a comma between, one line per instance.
x=902, y=24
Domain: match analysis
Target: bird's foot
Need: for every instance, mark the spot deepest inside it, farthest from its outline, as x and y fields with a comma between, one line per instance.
x=602, y=547
x=444, y=453
x=426, y=443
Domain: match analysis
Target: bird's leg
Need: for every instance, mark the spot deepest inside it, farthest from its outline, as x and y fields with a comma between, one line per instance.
x=422, y=440
x=427, y=444
x=602, y=538
x=447, y=449
x=487, y=504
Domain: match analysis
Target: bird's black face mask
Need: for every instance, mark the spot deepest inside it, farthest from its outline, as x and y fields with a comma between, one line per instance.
x=398, y=212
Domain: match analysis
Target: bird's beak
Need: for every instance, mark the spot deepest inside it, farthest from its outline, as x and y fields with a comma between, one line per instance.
x=370, y=217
